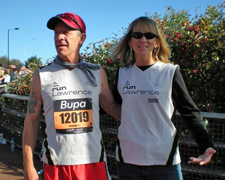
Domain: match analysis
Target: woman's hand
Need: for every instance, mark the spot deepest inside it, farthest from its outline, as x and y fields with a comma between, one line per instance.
x=204, y=158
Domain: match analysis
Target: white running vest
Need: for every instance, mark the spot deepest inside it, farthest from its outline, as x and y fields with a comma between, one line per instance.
x=71, y=110
x=146, y=133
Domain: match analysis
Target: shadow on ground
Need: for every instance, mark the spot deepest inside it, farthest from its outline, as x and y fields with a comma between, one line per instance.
x=11, y=163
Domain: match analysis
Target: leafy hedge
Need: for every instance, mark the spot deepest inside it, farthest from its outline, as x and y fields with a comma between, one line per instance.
x=197, y=45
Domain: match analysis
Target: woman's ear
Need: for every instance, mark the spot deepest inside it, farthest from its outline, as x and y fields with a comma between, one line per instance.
x=129, y=43
x=156, y=44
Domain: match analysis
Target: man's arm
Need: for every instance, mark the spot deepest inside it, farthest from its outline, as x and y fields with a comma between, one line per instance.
x=31, y=126
x=106, y=99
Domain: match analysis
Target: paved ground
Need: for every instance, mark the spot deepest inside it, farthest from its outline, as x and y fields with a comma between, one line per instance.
x=11, y=163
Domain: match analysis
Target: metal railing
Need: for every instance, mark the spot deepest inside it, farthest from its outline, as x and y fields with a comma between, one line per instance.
x=13, y=113
x=3, y=87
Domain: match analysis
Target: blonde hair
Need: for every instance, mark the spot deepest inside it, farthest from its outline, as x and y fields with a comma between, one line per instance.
x=7, y=71
x=126, y=54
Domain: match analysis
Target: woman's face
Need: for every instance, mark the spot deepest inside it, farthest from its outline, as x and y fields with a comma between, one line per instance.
x=142, y=47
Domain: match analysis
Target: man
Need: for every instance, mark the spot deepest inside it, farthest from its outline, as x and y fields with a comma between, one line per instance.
x=2, y=70
x=70, y=91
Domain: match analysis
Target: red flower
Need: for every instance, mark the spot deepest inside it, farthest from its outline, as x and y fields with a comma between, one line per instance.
x=175, y=39
x=194, y=55
x=185, y=24
x=109, y=61
x=195, y=71
x=106, y=45
x=197, y=30
x=178, y=35
x=190, y=28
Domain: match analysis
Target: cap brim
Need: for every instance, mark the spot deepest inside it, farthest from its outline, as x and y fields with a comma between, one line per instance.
x=52, y=22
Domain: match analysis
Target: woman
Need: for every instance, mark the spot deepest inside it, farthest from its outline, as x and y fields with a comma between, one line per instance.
x=150, y=88
x=7, y=77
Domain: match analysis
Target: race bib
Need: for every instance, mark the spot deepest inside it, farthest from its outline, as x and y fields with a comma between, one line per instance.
x=73, y=116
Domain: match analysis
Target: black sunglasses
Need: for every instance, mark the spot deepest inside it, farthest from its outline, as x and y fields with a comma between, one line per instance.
x=139, y=35
x=71, y=18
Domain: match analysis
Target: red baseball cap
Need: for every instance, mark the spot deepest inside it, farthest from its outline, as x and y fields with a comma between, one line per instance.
x=71, y=20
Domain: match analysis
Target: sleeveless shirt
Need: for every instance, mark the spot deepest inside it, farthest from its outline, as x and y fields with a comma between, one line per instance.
x=147, y=135
x=71, y=110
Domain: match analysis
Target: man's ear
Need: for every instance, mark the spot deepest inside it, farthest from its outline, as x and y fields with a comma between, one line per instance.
x=82, y=39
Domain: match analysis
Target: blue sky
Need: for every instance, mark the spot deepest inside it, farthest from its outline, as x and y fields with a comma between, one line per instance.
x=103, y=18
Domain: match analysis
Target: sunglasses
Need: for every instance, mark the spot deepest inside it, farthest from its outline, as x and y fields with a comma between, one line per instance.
x=71, y=18
x=139, y=35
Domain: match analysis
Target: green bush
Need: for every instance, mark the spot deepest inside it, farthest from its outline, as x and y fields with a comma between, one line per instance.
x=21, y=85
x=101, y=53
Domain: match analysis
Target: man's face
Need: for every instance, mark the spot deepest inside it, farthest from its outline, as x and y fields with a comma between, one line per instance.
x=67, y=41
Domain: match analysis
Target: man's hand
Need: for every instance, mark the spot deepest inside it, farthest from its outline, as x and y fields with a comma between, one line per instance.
x=31, y=174
x=204, y=158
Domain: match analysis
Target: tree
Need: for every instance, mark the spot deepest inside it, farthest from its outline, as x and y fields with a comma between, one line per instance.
x=33, y=63
x=4, y=61
x=16, y=62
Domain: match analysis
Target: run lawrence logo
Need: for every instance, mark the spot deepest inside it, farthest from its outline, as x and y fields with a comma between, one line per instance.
x=131, y=89
x=58, y=90
x=128, y=86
